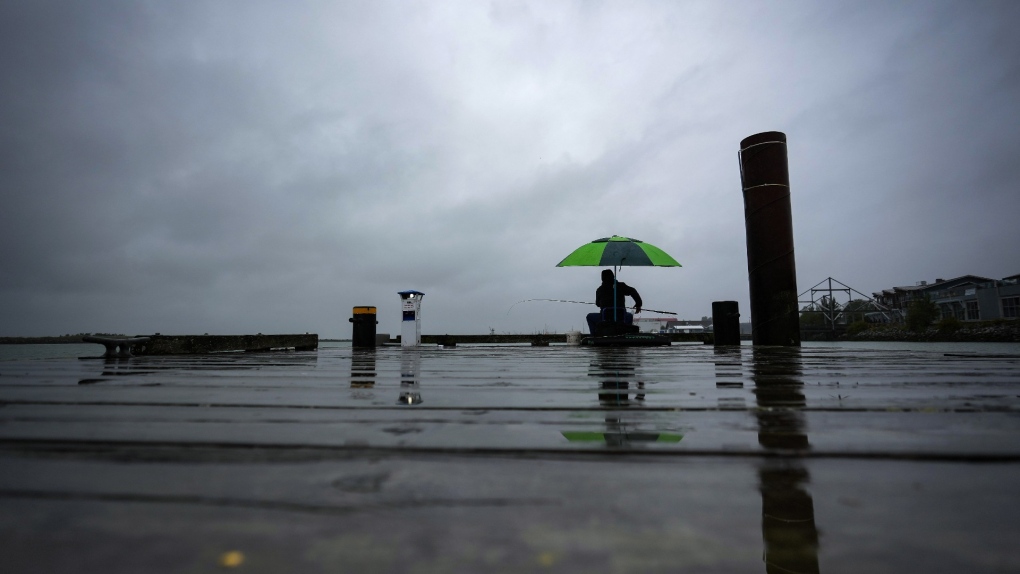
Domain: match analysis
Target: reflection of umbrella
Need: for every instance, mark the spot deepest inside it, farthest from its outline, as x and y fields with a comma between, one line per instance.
x=618, y=252
x=620, y=438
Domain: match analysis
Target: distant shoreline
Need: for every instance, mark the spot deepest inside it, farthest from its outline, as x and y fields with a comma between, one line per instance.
x=62, y=340
x=77, y=339
x=1000, y=331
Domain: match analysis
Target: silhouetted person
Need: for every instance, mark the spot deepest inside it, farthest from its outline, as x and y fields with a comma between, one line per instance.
x=613, y=307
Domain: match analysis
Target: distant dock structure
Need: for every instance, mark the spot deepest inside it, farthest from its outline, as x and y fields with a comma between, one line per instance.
x=202, y=344
x=671, y=325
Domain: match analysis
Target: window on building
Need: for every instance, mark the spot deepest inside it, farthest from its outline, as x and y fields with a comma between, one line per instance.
x=945, y=311
x=973, y=314
x=1010, y=306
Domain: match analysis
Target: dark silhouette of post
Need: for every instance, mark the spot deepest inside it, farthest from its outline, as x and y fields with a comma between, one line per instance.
x=363, y=335
x=772, y=274
x=726, y=322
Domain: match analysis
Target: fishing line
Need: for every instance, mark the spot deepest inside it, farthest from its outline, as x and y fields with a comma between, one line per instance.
x=580, y=303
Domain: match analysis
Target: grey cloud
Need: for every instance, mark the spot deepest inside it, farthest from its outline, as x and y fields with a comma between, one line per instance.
x=258, y=166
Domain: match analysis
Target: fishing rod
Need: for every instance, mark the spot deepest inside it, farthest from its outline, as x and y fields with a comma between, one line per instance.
x=581, y=303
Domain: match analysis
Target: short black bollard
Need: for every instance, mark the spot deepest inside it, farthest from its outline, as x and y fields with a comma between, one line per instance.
x=726, y=322
x=364, y=327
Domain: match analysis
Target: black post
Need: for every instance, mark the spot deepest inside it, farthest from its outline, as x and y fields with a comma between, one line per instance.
x=726, y=322
x=772, y=273
x=364, y=327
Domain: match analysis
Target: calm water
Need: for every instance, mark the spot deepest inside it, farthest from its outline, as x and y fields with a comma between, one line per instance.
x=62, y=351
x=984, y=348
x=71, y=351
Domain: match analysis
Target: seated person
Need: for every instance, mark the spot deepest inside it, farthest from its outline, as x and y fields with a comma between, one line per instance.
x=604, y=299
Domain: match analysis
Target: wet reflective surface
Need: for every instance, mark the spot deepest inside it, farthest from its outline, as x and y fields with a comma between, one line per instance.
x=514, y=459
x=787, y=508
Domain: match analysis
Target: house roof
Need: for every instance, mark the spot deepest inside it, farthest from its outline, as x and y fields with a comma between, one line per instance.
x=939, y=285
x=962, y=279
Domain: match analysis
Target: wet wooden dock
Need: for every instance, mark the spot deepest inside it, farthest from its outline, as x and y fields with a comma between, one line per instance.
x=513, y=458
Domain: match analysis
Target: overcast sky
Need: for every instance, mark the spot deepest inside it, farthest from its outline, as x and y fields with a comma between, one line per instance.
x=240, y=167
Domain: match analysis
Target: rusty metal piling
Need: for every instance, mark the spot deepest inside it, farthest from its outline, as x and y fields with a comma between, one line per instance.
x=772, y=274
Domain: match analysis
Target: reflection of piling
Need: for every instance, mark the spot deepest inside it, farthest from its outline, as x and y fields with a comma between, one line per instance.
x=363, y=368
x=768, y=220
x=787, y=508
x=788, y=520
x=779, y=391
x=726, y=322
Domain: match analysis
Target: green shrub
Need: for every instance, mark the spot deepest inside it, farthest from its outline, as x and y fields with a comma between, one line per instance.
x=811, y=319
x=920, y=314
x=949, y=325
x=857, y=327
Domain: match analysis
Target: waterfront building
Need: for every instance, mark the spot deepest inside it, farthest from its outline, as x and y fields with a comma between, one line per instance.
x=967, y=298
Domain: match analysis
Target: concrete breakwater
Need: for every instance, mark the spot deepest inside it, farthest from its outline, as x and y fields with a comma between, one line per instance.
x=202, y=344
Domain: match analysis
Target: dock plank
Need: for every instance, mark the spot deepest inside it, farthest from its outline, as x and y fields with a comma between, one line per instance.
x=516, y=458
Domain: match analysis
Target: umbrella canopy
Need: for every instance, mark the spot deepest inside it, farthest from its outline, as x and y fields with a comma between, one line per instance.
x=618, y=251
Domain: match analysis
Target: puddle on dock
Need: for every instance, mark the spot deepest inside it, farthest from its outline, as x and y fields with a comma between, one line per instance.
x=515, y=458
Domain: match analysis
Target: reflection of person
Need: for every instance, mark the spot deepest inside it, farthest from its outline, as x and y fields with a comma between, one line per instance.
x=615, y=368
x=605, y=300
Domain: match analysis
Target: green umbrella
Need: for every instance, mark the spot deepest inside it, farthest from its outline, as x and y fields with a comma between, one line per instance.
x=618, y=251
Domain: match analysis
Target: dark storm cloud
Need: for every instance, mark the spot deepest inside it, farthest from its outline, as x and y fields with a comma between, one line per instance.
x=918, y=144
x=250, y=166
